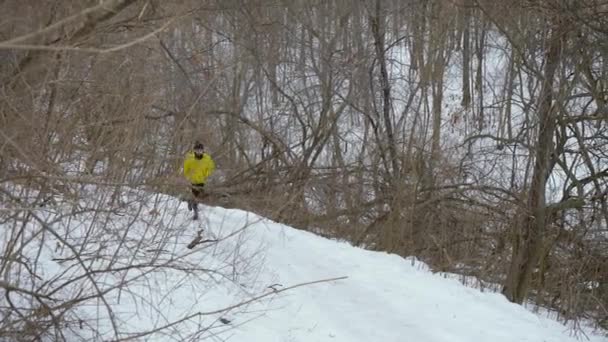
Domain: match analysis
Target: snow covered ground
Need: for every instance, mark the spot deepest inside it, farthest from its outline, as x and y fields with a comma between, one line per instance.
x=383, y=297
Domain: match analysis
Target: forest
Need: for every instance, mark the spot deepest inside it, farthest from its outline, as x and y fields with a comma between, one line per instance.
x=471, y=134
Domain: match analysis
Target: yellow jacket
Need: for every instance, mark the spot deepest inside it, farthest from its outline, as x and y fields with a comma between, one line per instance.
x=198, y=170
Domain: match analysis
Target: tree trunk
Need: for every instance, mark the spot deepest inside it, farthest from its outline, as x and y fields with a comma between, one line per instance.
x=378, y=30
x=481, y=41
x=438, y=61
x=466, y=57
x=529, y=240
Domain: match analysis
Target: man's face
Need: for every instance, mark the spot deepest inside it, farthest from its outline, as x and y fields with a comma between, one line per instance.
x=198, y=152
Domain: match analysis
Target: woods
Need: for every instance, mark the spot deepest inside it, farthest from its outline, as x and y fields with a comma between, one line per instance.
x=472, y=134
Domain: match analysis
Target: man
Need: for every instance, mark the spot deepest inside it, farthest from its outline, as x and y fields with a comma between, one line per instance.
x=198, y=166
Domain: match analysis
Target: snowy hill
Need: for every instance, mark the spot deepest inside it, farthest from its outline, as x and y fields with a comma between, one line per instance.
x=384, y=298
x=236, y=289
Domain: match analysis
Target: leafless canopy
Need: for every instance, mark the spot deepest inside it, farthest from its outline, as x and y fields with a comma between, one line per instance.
x=472, y=134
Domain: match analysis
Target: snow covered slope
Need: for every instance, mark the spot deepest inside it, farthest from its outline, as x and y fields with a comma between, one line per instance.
x=383, y=298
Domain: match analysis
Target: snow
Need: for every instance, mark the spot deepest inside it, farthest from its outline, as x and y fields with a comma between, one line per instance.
x=383, y=297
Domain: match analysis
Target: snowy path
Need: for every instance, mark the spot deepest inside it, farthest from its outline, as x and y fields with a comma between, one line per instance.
x=385, y=298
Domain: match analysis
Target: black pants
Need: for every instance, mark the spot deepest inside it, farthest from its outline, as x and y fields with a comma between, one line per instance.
x=198, y=190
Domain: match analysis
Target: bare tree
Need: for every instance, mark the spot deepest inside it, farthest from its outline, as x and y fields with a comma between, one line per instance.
x=345, y=115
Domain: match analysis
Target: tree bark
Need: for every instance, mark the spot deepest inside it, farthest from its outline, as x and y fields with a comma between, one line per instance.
x=480, y=42
x=378, y=31
x=466, y=57
x=529, y=240
x=438, y=61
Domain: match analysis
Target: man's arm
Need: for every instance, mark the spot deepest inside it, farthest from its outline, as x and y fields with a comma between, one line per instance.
x=208, y=166
x=187, y=168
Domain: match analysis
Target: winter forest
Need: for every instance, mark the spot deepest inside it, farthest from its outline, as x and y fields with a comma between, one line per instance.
x=470, y=134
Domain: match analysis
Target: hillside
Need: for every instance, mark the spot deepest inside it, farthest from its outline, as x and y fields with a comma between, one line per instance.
x=183, y=294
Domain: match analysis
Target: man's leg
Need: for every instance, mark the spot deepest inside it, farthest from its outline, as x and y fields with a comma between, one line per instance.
x=192, y=203
x=197, y=192
x=195, y=216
